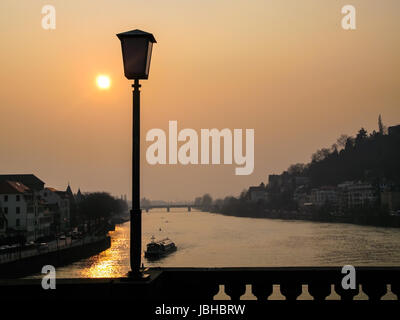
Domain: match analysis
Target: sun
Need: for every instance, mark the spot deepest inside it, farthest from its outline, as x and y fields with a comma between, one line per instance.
x=103, y=82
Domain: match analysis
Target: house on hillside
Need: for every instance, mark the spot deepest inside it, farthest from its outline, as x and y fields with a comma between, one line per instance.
x=356, y=194
x=390, y=198
x=257, y=193
x=324, y=195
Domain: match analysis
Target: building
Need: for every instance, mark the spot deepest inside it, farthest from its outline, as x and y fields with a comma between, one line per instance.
x=285, y=182
x=361, y=194
x=394, y=130
x=3, y=224
x=356, y=194
x=278, y=183
x=17, y=204
x=257, y=193
x=79, y=196
x=59, y=203
x=301, y=181
x=44, y=224
x=73, y=206
x=324, y=195
x=301, y=196
x=390, y=198
x=28, y=208
x=29, y=180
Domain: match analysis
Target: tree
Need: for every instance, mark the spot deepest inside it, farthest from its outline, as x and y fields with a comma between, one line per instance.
x=197, y=201
x=342, y=140
x=120, y=206
x=349, y=144
x=296, y=169
x=218, y=204
x=361, y=136
x=206, y=201
x=320, y=155
x=381, y=126
x=98, y=205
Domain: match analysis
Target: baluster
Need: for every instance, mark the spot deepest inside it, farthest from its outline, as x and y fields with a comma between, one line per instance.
x=395, y=287
x=348, y=294
x=319, y=290
x=261, y=290
x=235, y=290
x=374, y=289
x=291, y=290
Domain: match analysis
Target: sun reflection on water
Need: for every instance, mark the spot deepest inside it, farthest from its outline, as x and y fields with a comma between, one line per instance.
x=113, y=262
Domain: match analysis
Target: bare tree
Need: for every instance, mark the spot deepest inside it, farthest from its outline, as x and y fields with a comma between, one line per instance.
x=342, y=140
x=296, y=169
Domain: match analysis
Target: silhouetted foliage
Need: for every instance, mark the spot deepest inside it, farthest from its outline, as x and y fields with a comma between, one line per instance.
x=296, y=169
x=197, y=202
x=98, y=205
x=205, y=202
x=120, y=206
x=373, y=157
x=381, y=126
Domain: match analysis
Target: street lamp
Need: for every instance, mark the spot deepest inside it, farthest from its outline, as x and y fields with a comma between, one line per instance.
x=136, y=54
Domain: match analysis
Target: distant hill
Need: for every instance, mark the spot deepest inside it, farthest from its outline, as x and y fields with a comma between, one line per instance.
x=374, y=157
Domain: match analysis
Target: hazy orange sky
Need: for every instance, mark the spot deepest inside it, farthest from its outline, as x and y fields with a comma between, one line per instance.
x=284, y=68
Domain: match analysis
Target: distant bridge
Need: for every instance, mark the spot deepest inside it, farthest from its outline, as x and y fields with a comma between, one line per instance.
x=169, y=206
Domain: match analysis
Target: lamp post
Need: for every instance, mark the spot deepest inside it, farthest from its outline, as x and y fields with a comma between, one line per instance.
x=136, y=54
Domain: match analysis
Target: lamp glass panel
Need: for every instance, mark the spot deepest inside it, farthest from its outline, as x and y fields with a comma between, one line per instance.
x=150, y=48
x=134, y=51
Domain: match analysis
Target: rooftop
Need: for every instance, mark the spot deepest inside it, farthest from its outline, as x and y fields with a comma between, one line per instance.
x=30, y=180
x=12, y=187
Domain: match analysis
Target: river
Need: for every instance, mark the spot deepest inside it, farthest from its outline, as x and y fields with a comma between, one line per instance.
x=213, y=240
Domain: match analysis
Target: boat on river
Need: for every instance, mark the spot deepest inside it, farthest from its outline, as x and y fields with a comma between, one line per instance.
x=160, y=248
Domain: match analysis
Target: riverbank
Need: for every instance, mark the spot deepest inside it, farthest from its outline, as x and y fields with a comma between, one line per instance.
x=23, y=265
x=391, y=221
